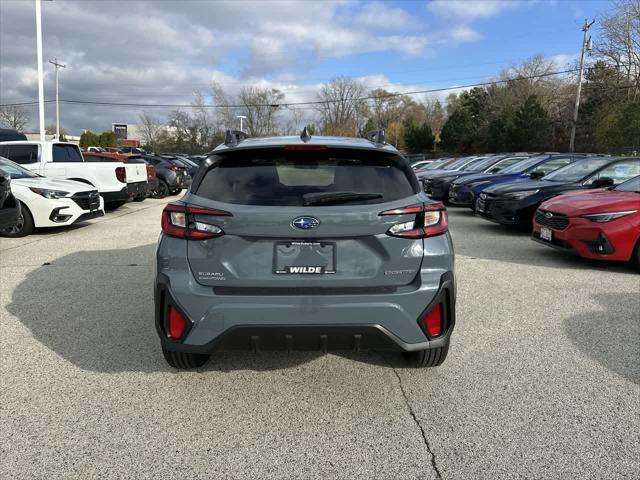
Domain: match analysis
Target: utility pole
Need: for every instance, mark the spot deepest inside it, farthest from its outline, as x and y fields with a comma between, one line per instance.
x=57, y=65
x=586, y=45
x=40, y=72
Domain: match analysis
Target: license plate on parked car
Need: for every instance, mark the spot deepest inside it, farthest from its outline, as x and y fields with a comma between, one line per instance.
x=304, y=257
x=546, y=234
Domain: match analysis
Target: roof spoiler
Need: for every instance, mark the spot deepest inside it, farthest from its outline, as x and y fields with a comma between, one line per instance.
x=376, y=136
x=232, y=138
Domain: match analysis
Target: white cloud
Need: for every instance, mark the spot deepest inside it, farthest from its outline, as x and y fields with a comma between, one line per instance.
x=464, y=33
x=465, y=10
x=381, y=16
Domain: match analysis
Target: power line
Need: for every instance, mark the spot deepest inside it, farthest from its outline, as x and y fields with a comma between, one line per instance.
x=295, y=104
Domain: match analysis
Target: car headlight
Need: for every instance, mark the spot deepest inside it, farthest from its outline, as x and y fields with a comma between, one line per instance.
x=520, y=195
x=607, y=217
x=50, y=194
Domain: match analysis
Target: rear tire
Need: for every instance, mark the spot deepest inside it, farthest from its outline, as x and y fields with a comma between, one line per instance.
x=139, y=198
x=183, y=360
x=23, y=227
x=431, y=357
x=162, y=190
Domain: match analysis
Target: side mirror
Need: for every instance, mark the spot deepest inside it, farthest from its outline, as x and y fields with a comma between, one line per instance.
x=602, y=182
x=537, y=174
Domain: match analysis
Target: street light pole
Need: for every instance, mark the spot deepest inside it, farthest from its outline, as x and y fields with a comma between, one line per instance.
x=40, y=72
x=576, y=107
x=241, y=117
x=57, y=65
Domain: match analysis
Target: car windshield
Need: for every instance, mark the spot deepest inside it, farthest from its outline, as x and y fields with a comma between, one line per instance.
x=14, y=170
x=434, y=165
x=474, y=163
x=577, y=170
x=289, y=178
x=461, y=162
x=480, y=165
x=524, y=165
x=632, y=185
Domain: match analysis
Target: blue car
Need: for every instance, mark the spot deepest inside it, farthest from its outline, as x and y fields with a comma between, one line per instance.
x=464, y=191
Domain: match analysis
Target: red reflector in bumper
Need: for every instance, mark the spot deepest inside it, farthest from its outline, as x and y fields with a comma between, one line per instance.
x=433, y=321
x=177, y=323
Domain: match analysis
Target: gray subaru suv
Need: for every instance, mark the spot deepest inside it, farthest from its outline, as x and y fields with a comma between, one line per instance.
x=304, y=243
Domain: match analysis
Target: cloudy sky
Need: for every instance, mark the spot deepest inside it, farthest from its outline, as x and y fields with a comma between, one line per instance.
x=159, y=52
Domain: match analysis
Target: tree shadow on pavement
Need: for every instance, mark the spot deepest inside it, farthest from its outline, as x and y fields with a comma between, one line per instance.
x=95, y=309
x=611, y=334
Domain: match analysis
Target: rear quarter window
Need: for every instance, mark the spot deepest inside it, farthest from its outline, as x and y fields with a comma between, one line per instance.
x=282, y=178
x=22, y=154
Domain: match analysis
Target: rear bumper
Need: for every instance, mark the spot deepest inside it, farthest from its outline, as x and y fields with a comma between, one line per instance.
x=362, y=322
x=9, y=213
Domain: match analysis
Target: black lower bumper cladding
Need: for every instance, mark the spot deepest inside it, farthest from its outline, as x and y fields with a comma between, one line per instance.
x=329, y=337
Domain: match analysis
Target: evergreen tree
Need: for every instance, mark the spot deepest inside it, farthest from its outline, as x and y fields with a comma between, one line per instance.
x=531, y=127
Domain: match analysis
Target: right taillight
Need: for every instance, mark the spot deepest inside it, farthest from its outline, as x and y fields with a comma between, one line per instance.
x=433, y=321
x=121, y=174
x=180, y=221
x=430, y=220
x=172, y=167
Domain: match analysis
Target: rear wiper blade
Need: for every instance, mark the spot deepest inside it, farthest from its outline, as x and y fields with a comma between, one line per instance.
x=334, y=198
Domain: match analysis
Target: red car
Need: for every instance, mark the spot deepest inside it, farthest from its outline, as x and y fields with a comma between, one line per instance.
x=602, y=224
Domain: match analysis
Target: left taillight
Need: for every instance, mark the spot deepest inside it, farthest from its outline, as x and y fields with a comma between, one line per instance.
x=180, y=221
x=121, y=174
x=430, y=220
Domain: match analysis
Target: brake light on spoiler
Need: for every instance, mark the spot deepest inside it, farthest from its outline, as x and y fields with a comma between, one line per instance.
x=179, y=221
x=430, y=220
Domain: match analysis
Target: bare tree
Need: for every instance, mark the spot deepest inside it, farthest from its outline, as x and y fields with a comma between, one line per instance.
x=436, y=115
x=226, y=113
x=342, y=109
x=260, y=106
x=619, y=41
x=203, y=120
x=151, y=129
x=14, y=117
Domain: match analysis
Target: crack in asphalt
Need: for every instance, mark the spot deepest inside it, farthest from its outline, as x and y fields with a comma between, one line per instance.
x=434, y=465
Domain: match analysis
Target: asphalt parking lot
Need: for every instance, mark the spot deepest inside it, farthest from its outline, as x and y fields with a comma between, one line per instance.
x=542, y=380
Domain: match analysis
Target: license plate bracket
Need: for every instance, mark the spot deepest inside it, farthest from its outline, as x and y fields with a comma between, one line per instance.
x=307, y=257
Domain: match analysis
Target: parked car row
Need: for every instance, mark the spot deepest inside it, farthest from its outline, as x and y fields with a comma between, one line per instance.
x=52, y=184
x=584, y=204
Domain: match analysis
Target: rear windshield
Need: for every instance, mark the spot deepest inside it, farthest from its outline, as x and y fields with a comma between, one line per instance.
x=291, y=178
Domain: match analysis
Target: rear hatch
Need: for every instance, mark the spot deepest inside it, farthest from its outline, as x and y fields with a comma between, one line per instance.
x=309, y=216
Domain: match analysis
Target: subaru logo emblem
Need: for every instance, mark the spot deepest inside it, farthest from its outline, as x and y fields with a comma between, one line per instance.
x=548, y=215
x=305, y=223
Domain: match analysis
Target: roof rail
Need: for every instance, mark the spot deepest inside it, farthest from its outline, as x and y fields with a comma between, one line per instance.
x=233, y=137
x=305, y=136
x=376, y=136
